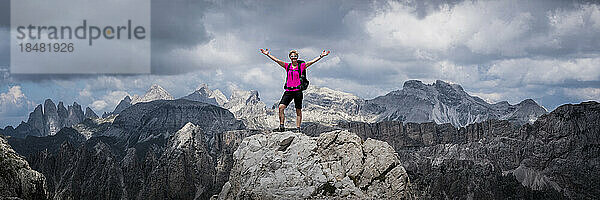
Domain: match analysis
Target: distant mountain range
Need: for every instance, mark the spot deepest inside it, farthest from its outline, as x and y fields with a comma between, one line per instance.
x=49, y=119
x=449, y=144
x=442, y=102
x=438, y=102
x=155, y=92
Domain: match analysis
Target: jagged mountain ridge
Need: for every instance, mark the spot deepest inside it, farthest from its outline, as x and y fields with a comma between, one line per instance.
x=439, y=102
x=49, y=119
x=416, y=102
x=553, y=158
x=137, y=146
x=328, y=106
x=155, y=92
x=134, y=156
x=204, y=94
x=442, y=102
x=145, y=152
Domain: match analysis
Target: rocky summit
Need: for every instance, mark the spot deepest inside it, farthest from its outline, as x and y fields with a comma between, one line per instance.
x=335, y=165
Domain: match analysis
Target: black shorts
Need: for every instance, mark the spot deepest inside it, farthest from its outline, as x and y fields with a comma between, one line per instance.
x=289, y=95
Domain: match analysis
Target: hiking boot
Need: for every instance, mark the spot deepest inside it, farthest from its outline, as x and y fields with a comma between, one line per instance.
x=281, y=128
x=298, y=130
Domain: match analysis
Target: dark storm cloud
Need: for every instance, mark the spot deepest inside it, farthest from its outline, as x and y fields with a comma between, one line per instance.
x=178, y=24
x=4, y=33
x=293, y=23
x=288, y=24
x=175, y=25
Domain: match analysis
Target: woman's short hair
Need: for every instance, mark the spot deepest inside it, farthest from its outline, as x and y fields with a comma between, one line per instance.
x=293, y=51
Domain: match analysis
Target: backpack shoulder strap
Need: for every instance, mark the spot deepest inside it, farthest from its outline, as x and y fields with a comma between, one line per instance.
x=287, y=69
x=300, y=69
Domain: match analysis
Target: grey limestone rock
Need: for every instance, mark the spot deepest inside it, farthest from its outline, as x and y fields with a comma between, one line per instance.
x=337, y=164
x=17, y=179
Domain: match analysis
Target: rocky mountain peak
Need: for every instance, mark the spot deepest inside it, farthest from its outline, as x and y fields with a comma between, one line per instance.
x=156, y=92
x=150, y=120
x=253, y=97
x=48, y=119
x=413, y=84
x=337, y=164
x=49, y=106
x=75, y=115
x=242, y=97
x=325, y=91
x=444, y=102
x=184, y=135
x=203, y=88
x=204, y=94
x=89, y=113
x=53, y=122
x=443, y=84
x=62, y=111
x=528, y=102
x=246, y=105
x=36, y=119
x=123, y=104
x=439, y=86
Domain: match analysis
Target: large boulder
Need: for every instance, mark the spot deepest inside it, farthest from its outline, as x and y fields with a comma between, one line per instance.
x=337, y=164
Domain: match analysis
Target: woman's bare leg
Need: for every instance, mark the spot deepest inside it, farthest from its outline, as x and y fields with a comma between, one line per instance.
x=281, y=114
x=298, y=117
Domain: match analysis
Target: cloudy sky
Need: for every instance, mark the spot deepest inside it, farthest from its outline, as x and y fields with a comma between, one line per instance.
x=548, y=51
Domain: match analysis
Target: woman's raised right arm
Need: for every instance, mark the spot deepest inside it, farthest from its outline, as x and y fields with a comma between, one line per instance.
x=266, y=52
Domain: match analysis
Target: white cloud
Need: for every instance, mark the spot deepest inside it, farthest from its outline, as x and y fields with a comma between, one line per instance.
x=583, y=20
x=465, y=75
x=224, y=50
x=507, y=28
x=14, y=96
x=108, y=101
x=492, y=97
x=85, y=92
x=504, y=36
x=331, y=62
x=524, y=71
x=584, y=94
x=99, y=105
x=4, y=42
x=14, y=105
x=260, y=76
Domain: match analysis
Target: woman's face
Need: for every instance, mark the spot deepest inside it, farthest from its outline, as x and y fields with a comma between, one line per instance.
x=294, y=56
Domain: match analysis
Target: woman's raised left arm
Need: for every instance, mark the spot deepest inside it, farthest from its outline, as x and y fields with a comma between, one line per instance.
x=323, y=54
